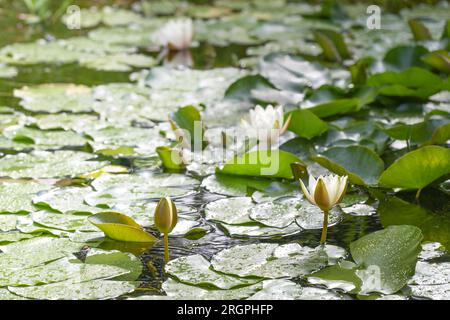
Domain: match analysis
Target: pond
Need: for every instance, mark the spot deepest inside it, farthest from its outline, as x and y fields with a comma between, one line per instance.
x=98, y=102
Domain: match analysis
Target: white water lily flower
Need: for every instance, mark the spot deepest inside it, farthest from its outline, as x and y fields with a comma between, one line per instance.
x=268, y=121
x=175, y=34
x=325, y=192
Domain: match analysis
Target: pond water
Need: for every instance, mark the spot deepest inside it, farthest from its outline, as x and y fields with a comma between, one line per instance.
x=203, y=198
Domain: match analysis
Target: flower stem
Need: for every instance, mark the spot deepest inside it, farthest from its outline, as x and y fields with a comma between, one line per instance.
x=323, y=238
x=166, y=247
x=418, y=194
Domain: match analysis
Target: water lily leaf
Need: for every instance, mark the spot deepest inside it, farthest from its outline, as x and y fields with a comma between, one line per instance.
x=419, y=30
x=258, y=231
x=54, y=98
x=120, y=227
x=16, y=197
x=243, y=88
x=279, y=289
x=439, y=60
x=187, y=118
x=122, y=260
x=341, y=276
x=423, y=165
x=8, y=222
x=393, y=250
x=306, y=124
x=230, y=210
x=7, y=71
x=177, y=290
x=284, y=211
x=66, y=121
x=65, y=200
x=64, y=222
x=195, y=270
x=270, y=260
x=434, y=130
x=268, y=163
x=68, y=290
x=42, y=164
x=362, y=165
x=35, y=251
x=125, y=140
x=404, y=57
x=45, y=139
x=413, y=82
x=385, y=261
x=116, y=189
x=237, y=186
x=13, y=236
x=59, y=270
x=333, y=45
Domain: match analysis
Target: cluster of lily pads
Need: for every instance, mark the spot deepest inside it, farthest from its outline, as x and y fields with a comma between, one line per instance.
x=369, y=105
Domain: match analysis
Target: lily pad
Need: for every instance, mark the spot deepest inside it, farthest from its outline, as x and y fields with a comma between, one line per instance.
x=16, y=197
x=120, y=227
x=423, y=165
x=195, y=270
x=362, y=165
x=65, y=200
x=266, y=260
x=68, y=290
x=265, y=163
x=42, y=164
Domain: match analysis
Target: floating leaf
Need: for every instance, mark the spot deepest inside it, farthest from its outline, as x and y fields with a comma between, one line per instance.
x=16, y=197
x=68, y=290
x=195, y=270
x=120, y=227
x=362, y=165
x=42, y=164
x=423, y=166
x=306, y=124
x=266, y=163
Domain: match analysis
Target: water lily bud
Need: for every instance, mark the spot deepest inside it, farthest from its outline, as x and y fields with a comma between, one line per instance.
x=165, y=215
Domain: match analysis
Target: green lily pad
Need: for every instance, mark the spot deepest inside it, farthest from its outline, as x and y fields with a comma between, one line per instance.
x=195, y=270
x=237, y=186
x=385, y=261
x=16, y=197
x=42, y=164
x=64, y=222
x=45, y=139
x=410, y=83
x=35, y=251
x=13, y=236
x=423, y=165
x=8, y=222
x=7, y=71
x=306, y=124
x=65, y=200
x=362, y=165
x=229, y=211
x=177, y=290
x=120, y=227
x=66, y=121
x=266, y=260
x=54, y=98
x=393, y=250
x=68, y=290
x=265, y=163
